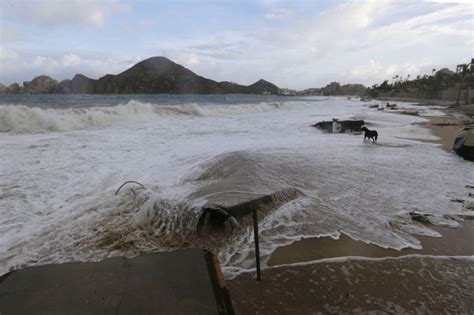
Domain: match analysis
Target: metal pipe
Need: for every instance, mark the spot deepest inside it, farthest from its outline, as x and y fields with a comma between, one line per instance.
x=257, y=246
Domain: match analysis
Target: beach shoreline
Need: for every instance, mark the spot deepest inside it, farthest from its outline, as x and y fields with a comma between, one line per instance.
x=288, y=284
x=408, y=284
x=452, y=242
x=456, y=120
x=421, y=102
x=446, y=128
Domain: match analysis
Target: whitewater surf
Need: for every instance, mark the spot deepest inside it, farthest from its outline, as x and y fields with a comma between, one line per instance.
x=63, y=158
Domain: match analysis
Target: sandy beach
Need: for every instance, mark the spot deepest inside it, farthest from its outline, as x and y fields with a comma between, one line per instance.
x=453, y=242
x=447, y=128
x=323, y=275
x=326, y=275
x=409, y=284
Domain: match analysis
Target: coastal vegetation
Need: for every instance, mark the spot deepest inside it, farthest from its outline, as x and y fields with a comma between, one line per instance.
x=443, y=84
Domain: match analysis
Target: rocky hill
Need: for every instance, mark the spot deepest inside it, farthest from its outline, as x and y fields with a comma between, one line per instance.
x=263, y=87
x=335, y=88
x=13, y=88
x=41, y=85
x=153, y=75
x=78, y=85
x=156, y=75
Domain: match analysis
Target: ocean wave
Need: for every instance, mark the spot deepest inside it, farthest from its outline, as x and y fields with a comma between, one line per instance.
x=25, y=119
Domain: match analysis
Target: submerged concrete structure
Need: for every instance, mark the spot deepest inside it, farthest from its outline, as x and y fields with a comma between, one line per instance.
x=339, y=126
x=180, y=282
x=235, y=205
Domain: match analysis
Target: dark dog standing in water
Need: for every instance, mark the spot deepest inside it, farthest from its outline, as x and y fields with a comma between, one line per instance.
x=371, y=134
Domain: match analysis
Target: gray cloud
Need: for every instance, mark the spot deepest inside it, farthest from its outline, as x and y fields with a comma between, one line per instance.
x=50, y=13
x=355, y=41
x=15, y=65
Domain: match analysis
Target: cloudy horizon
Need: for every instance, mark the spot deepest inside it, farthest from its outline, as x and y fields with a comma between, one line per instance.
x=296, y=45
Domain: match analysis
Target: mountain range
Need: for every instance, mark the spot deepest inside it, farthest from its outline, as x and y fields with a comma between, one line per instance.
x=153, y=75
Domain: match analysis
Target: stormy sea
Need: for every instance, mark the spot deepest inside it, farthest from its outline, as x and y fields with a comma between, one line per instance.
x=63, y=158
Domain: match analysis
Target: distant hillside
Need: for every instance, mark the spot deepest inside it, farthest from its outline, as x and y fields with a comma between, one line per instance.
x=334, y=88
x=153, y=75
x=42, y=84
x=78, y=85
x=156, y=75
x=263, y=87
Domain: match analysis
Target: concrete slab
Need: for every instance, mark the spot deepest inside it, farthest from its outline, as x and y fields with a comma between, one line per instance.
x=179, y=282
x=234, y=184
x=220, y=207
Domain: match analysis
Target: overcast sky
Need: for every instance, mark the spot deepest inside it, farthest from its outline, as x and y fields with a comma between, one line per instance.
x=294, y=44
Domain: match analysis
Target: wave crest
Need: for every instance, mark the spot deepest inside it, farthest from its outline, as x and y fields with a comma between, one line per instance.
x=25, y=119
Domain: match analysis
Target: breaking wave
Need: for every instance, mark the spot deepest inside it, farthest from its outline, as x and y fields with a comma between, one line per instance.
x=146, y=221
x=25, y=119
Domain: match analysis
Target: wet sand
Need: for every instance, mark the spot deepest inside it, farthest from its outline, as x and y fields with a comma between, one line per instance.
x=324, y=275
x=307, y=277
x=409, y=284
x=453, y=242
x=447, y=129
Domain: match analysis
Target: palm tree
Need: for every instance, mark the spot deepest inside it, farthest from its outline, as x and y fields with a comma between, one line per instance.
x=462, y=69
x=433, y=71
x=396, y=79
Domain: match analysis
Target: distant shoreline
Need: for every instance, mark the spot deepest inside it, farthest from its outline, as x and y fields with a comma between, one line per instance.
x=446, y=128
x=420, y=101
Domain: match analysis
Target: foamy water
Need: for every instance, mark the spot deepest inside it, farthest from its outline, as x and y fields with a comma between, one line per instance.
x=61, y=165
